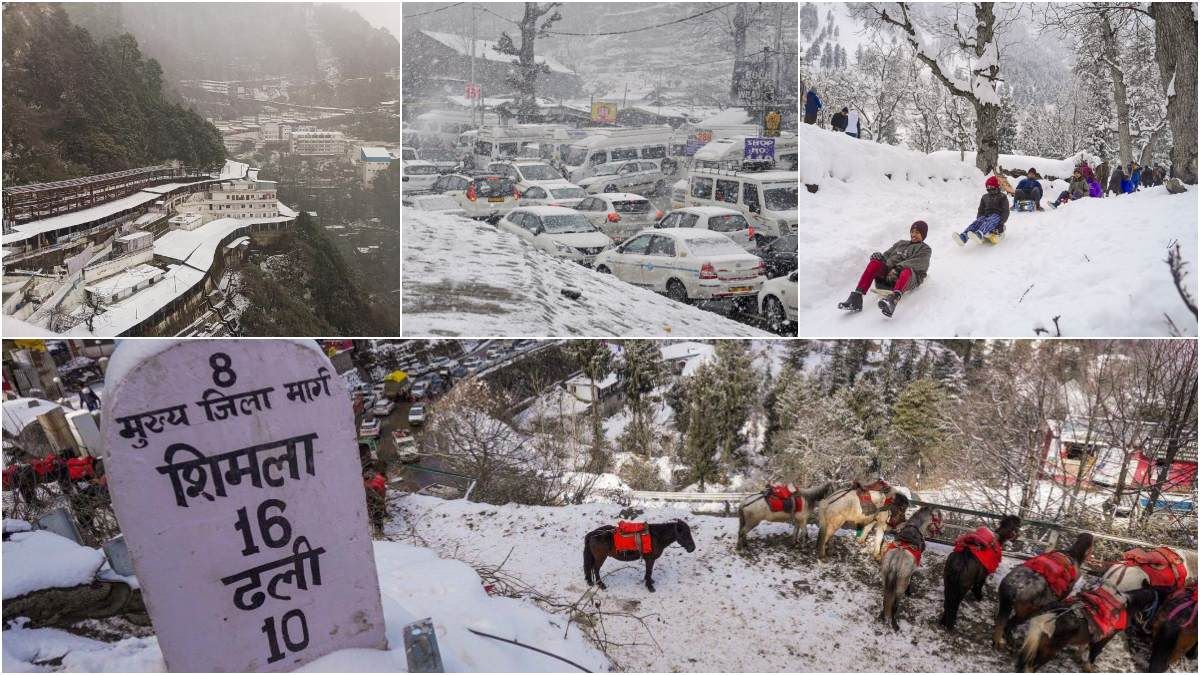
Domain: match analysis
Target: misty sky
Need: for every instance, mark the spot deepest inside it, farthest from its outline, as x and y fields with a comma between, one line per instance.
x=379, y=14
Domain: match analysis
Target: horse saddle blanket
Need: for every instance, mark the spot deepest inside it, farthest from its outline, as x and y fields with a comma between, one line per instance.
x=983, y=544
x=1106, y=612
x=632, y=536
x=784, y=498
x=1165, y=568
x=911, y=548
x=45, y=466
x=1057, y=569
x=79, y=468
x=377, y=483
x=1180, y=607
x=864, y=496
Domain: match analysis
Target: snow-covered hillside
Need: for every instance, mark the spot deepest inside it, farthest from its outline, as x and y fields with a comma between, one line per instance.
x=463, y=277
x=775, y=609
x=1098, y=264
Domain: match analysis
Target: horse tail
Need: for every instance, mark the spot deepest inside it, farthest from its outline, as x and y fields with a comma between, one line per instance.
x=1041, y=627
x=1162, y=646
x=589, y=561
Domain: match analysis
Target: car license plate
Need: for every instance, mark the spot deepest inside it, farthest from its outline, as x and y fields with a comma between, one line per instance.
x=740, y=289
x=495, y=199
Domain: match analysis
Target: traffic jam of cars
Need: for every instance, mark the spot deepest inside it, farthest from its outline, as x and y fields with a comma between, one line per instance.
x=705, y=217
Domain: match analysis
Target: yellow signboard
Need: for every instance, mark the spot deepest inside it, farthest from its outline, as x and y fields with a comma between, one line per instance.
x=31, y=345
x=771, y=121
x=604, y=112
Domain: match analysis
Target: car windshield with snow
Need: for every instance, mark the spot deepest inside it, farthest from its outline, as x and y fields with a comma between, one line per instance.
x=566, y=224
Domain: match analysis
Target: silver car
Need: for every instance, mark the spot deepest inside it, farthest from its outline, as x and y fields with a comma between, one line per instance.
x=620, y=215
x=641, y=176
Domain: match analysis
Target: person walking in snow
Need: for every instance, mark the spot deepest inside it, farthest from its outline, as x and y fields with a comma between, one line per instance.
x=1135, y=177
x=1127, y=180
x=1102, y=173
x=852, y=124
x=1076, y=189
x=812, y=105
x=1029, y=189
x=904, y=265
x=990, y=217
x=838, y=121
x=1094, y=189
x=1116, y=181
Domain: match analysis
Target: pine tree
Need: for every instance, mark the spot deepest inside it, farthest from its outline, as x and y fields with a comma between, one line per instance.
x=642, y=370
x=737, y=385
x=595, y=360
x=704, y=434
x=917, y=435
x=820, y=437
x=1006, y=122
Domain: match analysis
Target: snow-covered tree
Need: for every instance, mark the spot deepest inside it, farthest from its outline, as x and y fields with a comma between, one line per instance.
x=642, y=370
x=595, y=360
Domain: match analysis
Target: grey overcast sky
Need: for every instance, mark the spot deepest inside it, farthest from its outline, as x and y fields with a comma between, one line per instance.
x=379, y=14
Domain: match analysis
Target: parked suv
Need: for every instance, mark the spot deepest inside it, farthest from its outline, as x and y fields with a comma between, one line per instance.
x=640, y=176
x=620, y=215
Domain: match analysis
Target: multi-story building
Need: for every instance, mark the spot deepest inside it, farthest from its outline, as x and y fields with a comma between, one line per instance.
x=318, y=143
x=373, y=160
x=243, y=198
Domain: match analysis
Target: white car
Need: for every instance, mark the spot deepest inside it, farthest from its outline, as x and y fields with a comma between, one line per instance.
x=526, y=173
x=642, y=176
x=686, y=264
x=777, y=301
x=417, y=175
x=406, y=448
x=557, y=230
x=383, y=407
x=620, y=215
x=480, y=196
x=553, y=193
x=407, y=153
x=416, y=415
x=436, y=203
x=728, y=222
x=679, y=190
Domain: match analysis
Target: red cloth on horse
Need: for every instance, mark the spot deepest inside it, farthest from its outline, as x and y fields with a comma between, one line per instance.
x=10, y=473
x=44, y=466
x=1057, y=569
x=632, y=536
x=1105, y=611
x=984, y=545
x=79, y=468
x=778, y=498
x=377, y=483
x=906, y=546
x=1164, y=567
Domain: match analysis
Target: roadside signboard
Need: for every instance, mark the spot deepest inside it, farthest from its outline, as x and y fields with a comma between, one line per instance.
x=759, y=149
x=235, y=477
x=771, y=121
x=604, y=112
x=474, y=91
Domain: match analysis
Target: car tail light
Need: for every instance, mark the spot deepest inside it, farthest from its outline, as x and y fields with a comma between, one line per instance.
x=471, y=192
x=750, y=232
x=658, y=214
x=761, y=268
x=614, y=217
x=516, y=193
x=707, y=271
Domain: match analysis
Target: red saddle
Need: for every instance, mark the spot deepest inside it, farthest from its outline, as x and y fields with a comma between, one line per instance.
x=79, y=468
x=1164, y=567
x=1104, y=611
x=45, y=466
x=1057, y=569
x=983, y=544
x=377, y=483
x=632, y=536
x=906, y=546
x=778, y=499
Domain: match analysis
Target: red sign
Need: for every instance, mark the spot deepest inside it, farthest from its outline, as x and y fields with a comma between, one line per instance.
x=474, y=91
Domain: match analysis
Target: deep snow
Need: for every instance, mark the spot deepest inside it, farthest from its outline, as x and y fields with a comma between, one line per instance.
x=463, y=277
x=1096, y=263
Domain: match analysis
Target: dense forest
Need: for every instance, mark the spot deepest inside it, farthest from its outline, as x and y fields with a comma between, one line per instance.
x=74, y=106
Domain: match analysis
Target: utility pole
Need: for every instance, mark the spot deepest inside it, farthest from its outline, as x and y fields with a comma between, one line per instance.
x=474, y=103
x=779, y=47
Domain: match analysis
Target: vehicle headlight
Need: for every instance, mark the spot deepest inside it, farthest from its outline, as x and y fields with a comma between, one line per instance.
x=563, y=248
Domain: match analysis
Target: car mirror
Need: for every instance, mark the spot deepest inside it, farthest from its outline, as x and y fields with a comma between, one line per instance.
x=792, y=276
x=538, y=229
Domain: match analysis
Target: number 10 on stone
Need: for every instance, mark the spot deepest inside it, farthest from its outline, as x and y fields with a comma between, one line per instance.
x=238, y=488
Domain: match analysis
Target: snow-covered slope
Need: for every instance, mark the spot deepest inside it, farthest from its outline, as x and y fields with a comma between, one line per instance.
x=1098, y=264
x=775, y=609
x=463, y=277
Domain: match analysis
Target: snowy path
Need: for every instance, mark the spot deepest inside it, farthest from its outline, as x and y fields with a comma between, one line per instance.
x=463, y=277
x=1097, y=263
x=775, y=610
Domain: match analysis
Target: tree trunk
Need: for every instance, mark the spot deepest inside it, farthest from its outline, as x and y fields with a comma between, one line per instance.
x=740, y=21
x=1108, y=37
x=527, y=92
x=1175, y=51
x=987, y=140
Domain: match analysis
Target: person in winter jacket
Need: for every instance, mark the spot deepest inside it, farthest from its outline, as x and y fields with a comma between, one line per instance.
x=838, y=121
x=1147, y=177
x=1135, y=177
x=1076, y=189
x=852, y=124
x=1102, y=173
x=904, y=265
x=1085, y=170
x=990, y=217
x=812, y=105
x=1117, y=179
x=1029, y=189
x=1094, y=189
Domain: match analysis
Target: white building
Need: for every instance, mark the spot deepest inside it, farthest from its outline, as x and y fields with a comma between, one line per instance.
x=373, y=160
x=242, y=198
x=318, y=143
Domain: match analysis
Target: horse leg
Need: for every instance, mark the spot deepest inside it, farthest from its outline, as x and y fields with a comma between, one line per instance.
x=827, y=530
x=1000, y=628
x=979, y=588
x=650, y=573
x=877, y=547
x=588, y=561
x=596, y=571
x=1094, y=650
x=741, y=538
x=951, y=598
x=795, y=530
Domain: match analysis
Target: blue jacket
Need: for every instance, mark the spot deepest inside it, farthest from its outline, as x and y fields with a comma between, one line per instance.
x=1028, y=183
x=811, y=103
x=1136, y=178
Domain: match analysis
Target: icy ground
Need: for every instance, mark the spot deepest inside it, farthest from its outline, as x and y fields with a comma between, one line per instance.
x=775, y=609
x=1096, y=263
x=414, y=582
x=463, y=277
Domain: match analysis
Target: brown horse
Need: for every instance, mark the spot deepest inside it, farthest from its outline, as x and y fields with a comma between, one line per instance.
x=598, y=545
x=1173, y=631
x=1067, y=626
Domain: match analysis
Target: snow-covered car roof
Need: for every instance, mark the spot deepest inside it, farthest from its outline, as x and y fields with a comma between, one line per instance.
x=691, y=233
x=521, y=162
x=620, y=195
x=545, y=210
x=706, y=211
x=554, y=184
x=418, y=162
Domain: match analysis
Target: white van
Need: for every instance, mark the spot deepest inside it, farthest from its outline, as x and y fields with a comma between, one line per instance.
x=535, y=141
x=447, y=125
x=768, y=199
x=728, y=153
x=581, y=157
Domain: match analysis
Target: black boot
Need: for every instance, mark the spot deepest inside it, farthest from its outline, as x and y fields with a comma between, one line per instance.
x=852, y=303
x=888, y=304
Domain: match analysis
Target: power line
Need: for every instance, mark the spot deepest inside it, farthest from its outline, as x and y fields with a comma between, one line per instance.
x=619, y=32
x=432, y=11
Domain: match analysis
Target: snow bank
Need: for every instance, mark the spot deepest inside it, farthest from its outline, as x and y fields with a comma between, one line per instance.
x=463, y=277
x=1053, y=168
x=827, y=156
x=37, y=560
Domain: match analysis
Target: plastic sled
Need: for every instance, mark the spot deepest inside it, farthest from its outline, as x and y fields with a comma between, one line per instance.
x=1026, y=205
x=884, y=287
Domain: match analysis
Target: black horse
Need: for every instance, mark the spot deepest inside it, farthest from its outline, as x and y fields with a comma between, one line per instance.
x=598, y=545
x=1024, y=593
x=964, y=572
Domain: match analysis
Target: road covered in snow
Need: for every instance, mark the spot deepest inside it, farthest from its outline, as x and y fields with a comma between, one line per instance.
x=1097, y=264
x=463, y=277
x=775, y=609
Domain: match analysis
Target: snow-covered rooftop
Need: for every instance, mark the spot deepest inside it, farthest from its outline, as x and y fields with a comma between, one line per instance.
x=67, y=220
x=374, y=153
x=125, y=280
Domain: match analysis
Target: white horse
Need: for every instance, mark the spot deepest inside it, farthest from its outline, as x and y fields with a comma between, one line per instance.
x=754, y=510
x=1127, y=576
x=844, y=508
